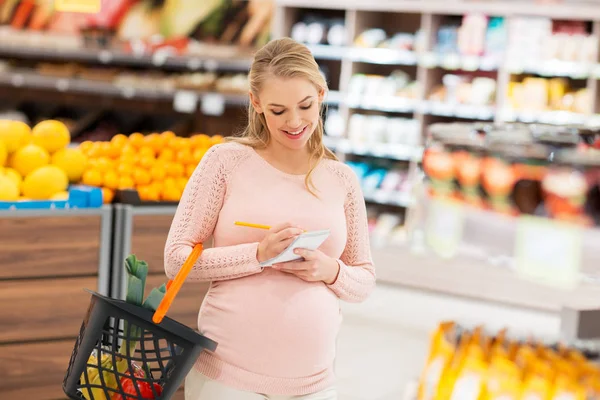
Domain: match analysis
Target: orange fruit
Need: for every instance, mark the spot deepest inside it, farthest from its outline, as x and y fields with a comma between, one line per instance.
x=113, y=150
x=198, y=154
x=86, y=146
x=148, y=193
x=169, y=181
x=158, y=172
x=174, y=169
x=184, y=156
x=189, y=170
x=146, y=162
x=171, y=193
x=200, y=140
x=125, y=169
x=157, y=185
x=111, y=179
x=156, y=142
x=167, y=135
x=178, y=143
x=119, y=140
x=167, y=154
x=103, y=164
x=107, y=195
x=181, y=183
x=216, y=139
x=126, y=182
x=146, y=151
x=128, y=150
x=141, y=177
x=136, y=140
x=92, y=177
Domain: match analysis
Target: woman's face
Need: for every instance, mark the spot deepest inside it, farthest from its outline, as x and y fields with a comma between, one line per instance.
x=291, y=109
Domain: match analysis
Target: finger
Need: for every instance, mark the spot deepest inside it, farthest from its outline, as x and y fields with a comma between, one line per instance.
x=281, y=246
x=287, y=234
x=307, y=254
x=281, y=226
x=292, y=266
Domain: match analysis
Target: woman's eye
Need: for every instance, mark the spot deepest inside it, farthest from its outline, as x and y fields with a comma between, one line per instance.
x=307, y=107
x=277, y=112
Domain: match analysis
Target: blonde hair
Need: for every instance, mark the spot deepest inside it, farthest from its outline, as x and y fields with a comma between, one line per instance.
x=284, y=58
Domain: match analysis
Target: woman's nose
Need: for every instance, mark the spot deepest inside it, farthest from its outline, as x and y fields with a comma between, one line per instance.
x=294, y=121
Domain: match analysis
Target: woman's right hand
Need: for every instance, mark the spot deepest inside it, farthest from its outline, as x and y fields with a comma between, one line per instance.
x=276, y=240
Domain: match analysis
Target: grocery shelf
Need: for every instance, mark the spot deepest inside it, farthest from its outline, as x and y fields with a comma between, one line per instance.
x=208, y=59
x=394, y=151
x=578, y=11
x=365, y=55
x=388, y=197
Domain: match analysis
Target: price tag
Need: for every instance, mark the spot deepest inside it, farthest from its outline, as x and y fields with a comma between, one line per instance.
x=62, y=85
x=194, y=63
x=78, y=6
x=213, y=104
x=105, y=56
x=548, y=251
x=185, y=101
x=444, y=229
x=428, y=60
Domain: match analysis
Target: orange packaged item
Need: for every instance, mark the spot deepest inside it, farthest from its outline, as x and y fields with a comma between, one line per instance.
x=441, y=352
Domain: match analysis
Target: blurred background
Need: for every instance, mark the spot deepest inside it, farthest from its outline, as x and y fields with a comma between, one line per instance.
x=474, y=127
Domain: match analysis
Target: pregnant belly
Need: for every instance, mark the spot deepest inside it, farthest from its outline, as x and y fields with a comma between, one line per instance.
x=272, y=324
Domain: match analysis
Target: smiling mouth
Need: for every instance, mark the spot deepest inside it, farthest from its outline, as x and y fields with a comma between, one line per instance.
x=297, y=133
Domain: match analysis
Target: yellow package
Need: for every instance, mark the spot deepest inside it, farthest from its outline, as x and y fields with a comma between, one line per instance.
x=470, y=380
x=538, y=380
x=441, y=352
x=503, y=380
x=566, y=387
x=454, y=367
x=557, y=88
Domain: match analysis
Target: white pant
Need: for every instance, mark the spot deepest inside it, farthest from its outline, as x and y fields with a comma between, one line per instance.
x=199, y=387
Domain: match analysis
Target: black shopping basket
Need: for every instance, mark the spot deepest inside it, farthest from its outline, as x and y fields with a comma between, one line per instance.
x=165, y=350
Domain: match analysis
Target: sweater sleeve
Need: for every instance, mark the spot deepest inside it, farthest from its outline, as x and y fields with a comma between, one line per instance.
x=356, y=278
x=195, y=219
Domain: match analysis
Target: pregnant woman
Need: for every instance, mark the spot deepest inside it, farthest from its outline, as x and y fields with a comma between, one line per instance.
x=276, y=326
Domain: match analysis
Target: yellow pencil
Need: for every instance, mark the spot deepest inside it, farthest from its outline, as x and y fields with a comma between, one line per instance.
x=248, y=224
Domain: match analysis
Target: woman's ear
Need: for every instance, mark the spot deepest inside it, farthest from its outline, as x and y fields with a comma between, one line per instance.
x=321, y=96
x=255, y=103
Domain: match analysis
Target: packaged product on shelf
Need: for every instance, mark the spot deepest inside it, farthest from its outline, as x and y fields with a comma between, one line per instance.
x=465, y=364
x=315, y=29
x=515, y=169
x=571, y=188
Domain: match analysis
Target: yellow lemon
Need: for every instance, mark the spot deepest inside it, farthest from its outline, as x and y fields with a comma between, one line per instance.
x=45, y=182
x=14, y=134
x=60, y=196
x=3, y=154
x=8, y=190
x=13, y=175
x=72, y=161
x=52, y=135
x=29, y=158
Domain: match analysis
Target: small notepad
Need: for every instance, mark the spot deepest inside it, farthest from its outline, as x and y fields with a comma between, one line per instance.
x=308, y=240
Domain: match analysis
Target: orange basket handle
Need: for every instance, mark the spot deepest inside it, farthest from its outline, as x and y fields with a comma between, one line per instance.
x=174, y=285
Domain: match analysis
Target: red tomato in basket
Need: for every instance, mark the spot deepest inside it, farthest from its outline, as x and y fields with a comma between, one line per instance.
x=129, y=388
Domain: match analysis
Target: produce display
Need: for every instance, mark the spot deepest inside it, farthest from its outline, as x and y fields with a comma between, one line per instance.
x=36, y=163
x=470, y=364
x=156, y=165
x=134, y=377
x=513, y=169
x=231, y=22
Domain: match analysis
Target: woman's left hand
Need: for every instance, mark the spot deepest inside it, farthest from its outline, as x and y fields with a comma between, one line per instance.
x=315, y=267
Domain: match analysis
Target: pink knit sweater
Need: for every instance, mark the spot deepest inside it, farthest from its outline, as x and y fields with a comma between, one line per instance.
x=276, y=333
